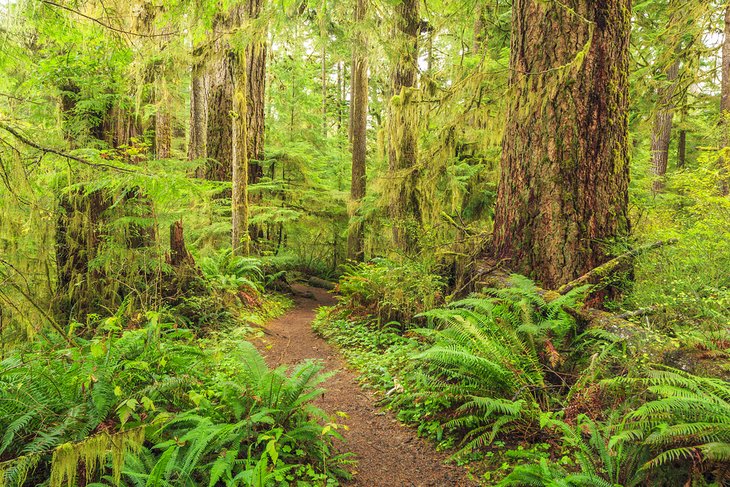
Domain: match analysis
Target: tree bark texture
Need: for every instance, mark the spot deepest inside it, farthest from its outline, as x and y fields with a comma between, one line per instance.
x=563, y=189
x=404, y=205
x=240, y=234
x=725, y=105
x=662, y=131
x=256, y=91
x=356, y=233
x=682, y=149
x=197, y=146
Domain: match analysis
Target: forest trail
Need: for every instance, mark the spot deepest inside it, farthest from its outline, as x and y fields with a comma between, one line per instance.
x=388, y=453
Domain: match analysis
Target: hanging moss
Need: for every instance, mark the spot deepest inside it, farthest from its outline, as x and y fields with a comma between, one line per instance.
x=93, y=453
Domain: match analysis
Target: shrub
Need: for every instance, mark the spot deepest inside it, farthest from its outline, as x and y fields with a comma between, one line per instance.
x=390, y=292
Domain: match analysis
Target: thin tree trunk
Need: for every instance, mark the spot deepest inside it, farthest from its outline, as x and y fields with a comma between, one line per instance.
x=662, y=131
x=563, y=189
x=163, y=118
x=725, y=105
x=240, y=234
x=682, y=149
x=404, y=206
x=323, y=82
x=358, y=124
x=198, y=114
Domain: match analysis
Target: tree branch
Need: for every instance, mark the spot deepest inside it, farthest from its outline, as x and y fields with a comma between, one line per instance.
x=611, y=266
x=50, y=150
x=105, y=25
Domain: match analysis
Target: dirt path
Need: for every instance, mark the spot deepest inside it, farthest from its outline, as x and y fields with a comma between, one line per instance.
x=388, y=454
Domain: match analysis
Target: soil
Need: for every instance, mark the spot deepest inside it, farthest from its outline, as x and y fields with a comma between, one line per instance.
x=388, y=453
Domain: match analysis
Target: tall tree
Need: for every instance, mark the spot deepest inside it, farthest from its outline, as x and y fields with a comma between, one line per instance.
x=725, y=103
x=563, y=189
x=404, y=206
x=256, y=88
x=662, y=130
x=358, y=124
x=197, y=145
x=221, y=68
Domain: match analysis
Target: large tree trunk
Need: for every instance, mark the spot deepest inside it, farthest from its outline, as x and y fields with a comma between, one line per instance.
x=404, y=206
x=256, y=92
x=563, y=189
x=358, y=124
x=662, y=131
x=240, y=235
x=219, y=131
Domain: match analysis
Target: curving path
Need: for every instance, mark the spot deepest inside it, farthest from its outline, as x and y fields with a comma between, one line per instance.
x=388, y=453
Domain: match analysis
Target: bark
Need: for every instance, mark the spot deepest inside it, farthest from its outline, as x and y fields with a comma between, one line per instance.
x=197, y=147
x=662, y=131
x=725, y=105
x=256, y=54
x=163, y=118
x=563, y=189
x=358, y=124
x=179, y=255
x=404, y=208
x=240, y=234
x=323, y=83
x=219, y=130
x=682, y=149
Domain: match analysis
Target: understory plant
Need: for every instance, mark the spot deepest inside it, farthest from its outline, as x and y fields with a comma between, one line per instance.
x=389, y=291
x=156, y=406
x=496, y=358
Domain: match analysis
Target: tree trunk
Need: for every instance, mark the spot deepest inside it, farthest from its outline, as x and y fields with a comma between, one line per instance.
x=240, y=234
x=404, y=206
x=662, y=131
x=725, y=105
x=163, y=118
x=358, y=124
x=198, y=114
x=323, y=83
x=563, y=189
x=256, y=92
x=682, y=149
x=219, y=132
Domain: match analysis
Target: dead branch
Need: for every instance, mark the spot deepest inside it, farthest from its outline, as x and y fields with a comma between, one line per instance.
x=612, y=266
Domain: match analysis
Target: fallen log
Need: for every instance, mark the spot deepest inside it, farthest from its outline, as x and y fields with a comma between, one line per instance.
x=321, y=283
x=595, y=275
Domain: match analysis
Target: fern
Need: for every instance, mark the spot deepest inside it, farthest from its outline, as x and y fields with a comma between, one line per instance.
x=489, y=355
x=688, y=419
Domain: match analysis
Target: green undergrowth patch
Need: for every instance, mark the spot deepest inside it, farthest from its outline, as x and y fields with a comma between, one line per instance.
x=167, y=397
x=523, y=393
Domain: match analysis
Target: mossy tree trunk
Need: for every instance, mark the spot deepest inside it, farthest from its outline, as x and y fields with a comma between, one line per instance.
x=197, y=145
x=725, y=105
x=256, y=54
x=219, y=130
x=358, y=124
x=662, y=131
x=404, y=207
x=240, y=234
x=563, y=189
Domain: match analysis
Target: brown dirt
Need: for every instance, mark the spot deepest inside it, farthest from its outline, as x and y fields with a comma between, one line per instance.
x=388, y=453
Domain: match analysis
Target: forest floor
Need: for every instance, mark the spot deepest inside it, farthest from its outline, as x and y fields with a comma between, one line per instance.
x=388, y=454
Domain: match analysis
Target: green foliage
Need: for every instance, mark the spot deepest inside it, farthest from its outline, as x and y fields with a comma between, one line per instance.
x=689, y=418
x=232, y=272
x=390, y=291
x=593, y=460
x=59, y=407
x=492, y=358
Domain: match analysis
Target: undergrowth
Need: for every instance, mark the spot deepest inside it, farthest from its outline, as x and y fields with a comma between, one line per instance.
x=512, y=384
